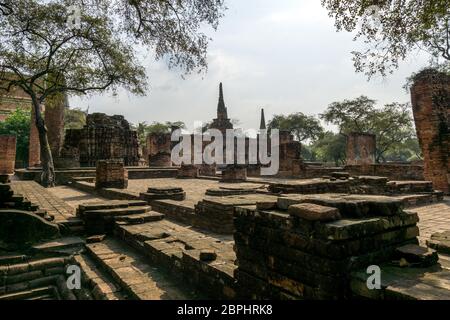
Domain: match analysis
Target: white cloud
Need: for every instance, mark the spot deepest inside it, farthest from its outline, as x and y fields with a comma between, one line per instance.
x=284, y=56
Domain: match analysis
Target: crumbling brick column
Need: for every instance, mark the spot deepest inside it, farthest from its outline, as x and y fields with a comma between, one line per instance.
x=111, y=174
x=430, y=97
x=34, y=150
x=361, y=148
x=7, y=154
x=159, y=149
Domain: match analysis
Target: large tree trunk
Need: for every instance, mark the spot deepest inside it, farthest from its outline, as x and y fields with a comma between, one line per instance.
x=48, y=169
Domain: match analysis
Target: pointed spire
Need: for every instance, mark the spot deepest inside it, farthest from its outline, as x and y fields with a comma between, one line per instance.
x=221, y=109
x=262, y=125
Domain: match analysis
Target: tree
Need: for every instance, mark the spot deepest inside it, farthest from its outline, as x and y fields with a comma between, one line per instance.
x=392, y=29
x=392, y=124
x=18, y=124
x=302, y=126
x=42, y=55
x=330, y=147
x=74, y=118
x=143, y=129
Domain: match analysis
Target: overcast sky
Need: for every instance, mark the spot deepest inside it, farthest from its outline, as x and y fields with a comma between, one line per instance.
x=284, y=56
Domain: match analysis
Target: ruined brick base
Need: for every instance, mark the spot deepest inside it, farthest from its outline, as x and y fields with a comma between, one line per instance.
x=111, y=174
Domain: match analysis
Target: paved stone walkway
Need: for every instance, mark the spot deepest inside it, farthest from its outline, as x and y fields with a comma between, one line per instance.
x=195, y=188
x=433, y=218
x=61, y=201
x=45, y=199
x=74, y=197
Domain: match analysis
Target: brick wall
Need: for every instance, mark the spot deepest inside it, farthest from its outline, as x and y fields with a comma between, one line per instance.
x=361, y=148
x=7, y=154
x=391, y=171
x=430, y=96
x=111, y=174
x=159, y=149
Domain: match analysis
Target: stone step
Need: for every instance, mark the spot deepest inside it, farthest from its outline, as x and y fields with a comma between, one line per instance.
x=27, y=294
x=102, y=286
x=61, y=245
x=141, y=218
x=46, y=296
x=109, y=205
x=131, y=270
x=117, y=211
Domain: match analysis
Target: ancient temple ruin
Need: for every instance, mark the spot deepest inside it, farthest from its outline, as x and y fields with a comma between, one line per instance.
x=103, y=137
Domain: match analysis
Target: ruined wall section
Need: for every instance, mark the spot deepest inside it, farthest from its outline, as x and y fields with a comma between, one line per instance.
x=361, y=148
x=103, y=137
x=430, y=97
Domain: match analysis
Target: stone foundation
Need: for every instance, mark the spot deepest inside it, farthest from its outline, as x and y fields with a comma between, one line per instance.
x=234, y=173
x=187, y=171
x=430, y=96
x=7, y=154
x=207, y=170
x=111, y=174
x=173, y=193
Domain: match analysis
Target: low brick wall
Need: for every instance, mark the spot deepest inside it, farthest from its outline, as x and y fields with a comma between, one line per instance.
x=391, y=171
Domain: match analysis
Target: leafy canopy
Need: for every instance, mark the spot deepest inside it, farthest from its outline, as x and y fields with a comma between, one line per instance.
x=18, y=124
x=392, y=29
x=392, y=124
x=302, y=126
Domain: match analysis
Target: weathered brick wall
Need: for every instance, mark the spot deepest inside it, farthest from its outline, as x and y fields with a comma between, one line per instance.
x=361, y=148
x=111, y=174
x=289, y=155
x=295, y=252
x=430, y=97
x=159, y=149
x=7, y=154
x=103, y=137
